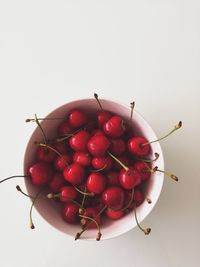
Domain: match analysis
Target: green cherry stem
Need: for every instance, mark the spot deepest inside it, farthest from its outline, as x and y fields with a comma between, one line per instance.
x=176, y=127
x=132, y=105
x=118, y=161
x=92, y=220
x=149, y=160
x=146, y=231
x=97, y=99
x=39, y=125
x=22, y=192
x=32, y=226
x=15, y=176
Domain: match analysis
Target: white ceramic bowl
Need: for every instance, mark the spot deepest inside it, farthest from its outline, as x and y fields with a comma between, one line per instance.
x=50, y=210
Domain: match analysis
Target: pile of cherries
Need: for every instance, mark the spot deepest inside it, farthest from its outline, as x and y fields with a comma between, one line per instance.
x=95, y=167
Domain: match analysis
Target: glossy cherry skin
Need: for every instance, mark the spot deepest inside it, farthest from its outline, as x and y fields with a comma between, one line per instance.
x=70, y=212
x=97, y=132
x=143, y=169
x=79, y=141
x=117, y=147
x=129, y=179
x=115, y=127
x=67, y=193
x=91, y=212
x=105, y=163
x=96, y=183
x=60, y=163
x=113, y=197
x=65, y=128
x=114, y=214
x=113, y=178
x=98, y=145
x=41, y=173
x=45, y=154
x=74, y=173
x=56, y=183
x=77, y=118
x=135, y=147
x=103, y=117
x=82, y=158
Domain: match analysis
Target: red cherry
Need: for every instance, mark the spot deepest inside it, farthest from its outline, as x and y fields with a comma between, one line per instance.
x=56, y=183
x=96, y=183
x=92, y=213
x=135, y=146
x=41, y=173
x=129, y=179
x=138, y=198
x=113, y=178
x=70, y=212
x=45, y=154
x=97, y=203
x=103, y=117
x=61, y=162
x=74, y=173
x=77, y=118
x=98, y=145
x=114, y=197
x=65, y=128
x=105, y=163
x=117, y=147
x=67, y=193
x=82, y=158
x=114, y=214
x=79, y=141
x=143, y=169
x=115, y=127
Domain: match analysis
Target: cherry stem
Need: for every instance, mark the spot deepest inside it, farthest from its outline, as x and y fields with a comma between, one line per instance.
x=21, y=191
x=148, y=200
x=174, y=177
x=97, y=99
x=132, y=108
x=147, y=230
x=176, y=127
x=39, y=125
x=52, y=196
x=129, y=203
x=43, y=119
x=83, y=193
x=86, y=227
x=98, y=170
x=118, y=161
x=56, y=151
x=82, y=202
x=31, y=209
x=150, y=160
x=15, y=176
x=97, y=225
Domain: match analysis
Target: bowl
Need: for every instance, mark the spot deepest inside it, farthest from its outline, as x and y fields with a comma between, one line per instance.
x=50, y=210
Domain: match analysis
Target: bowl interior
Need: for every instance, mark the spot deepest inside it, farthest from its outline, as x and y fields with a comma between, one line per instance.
x=50, y=211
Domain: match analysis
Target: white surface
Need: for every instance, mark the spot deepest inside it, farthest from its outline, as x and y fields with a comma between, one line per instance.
x=52, y=52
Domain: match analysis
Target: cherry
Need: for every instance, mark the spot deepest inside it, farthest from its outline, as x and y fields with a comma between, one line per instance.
x=61, y=147
x=77, y=118
x=92, y=213
x=129, y=178
x=103, y=117
x=70, y=212
x=136, y=148
x=97, y=203
x=83, y=158
x=143, y=169
x=97, y=132
x=117, y=147
x=41, y=173
x=79, y=141
x=74, y=173
x=113, y=178
x=138, y=198
x=56, y=183
x=114, y=214
x=67, y=193
x=45, y=154
x=113, y=197
x=60, y=162
x=96, y=183
x=98, y=145
x=65, y=128
x=105, y=163
x=115, y=127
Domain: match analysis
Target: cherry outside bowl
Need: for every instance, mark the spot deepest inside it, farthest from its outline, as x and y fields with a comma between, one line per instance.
x=50, y=210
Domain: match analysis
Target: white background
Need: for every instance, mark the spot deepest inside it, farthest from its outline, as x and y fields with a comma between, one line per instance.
x=52, y=52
